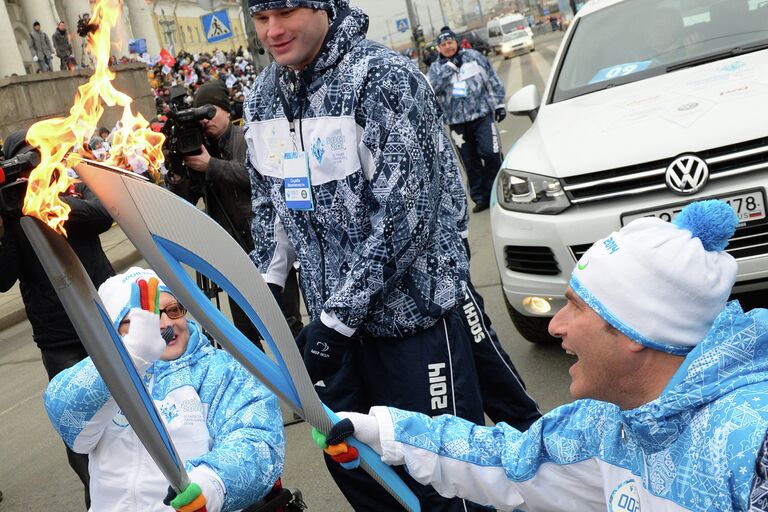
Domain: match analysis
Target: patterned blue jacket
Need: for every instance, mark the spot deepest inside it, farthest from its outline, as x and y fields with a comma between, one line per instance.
x=218, y=415
x=484, y=91
x=693, y=448
x=381, y=252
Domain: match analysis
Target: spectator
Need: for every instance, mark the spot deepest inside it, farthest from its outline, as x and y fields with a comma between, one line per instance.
x=383, y=268
x=62, y=46
x=52, y=330
x=671, y=380
x=40, y=46
x=218, y=174
x=224, y=423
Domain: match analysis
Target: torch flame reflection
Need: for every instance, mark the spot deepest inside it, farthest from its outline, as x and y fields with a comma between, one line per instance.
x=134, y=144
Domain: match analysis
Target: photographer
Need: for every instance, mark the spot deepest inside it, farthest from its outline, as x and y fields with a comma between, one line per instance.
x=219, y=176
x=52, y=330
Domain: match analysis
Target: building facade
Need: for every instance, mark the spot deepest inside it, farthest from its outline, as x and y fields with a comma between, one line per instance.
x=170, y=24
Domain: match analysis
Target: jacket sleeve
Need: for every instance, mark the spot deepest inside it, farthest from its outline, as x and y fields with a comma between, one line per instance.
x=80, y=406
x=9, y=256
x=402, y=132
x=493, y=82
x=248, y=451
x=455, y=184
x=233, y=171
x=500, y=466
x=88, y=216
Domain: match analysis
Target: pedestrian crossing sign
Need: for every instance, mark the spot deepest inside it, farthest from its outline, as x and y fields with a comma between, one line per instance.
x=216, y=26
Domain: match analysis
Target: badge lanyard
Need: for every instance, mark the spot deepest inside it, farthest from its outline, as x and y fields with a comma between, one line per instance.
x=296, y=177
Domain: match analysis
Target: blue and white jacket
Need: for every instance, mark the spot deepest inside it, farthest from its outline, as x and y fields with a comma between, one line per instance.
x=693, y=448
x=381, y=252
x=481, y=93
x=224, y=423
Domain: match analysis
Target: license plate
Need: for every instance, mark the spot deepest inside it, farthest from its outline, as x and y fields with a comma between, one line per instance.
x=749, y=206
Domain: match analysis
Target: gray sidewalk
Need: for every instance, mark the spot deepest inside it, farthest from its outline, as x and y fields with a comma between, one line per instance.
x=119, y=250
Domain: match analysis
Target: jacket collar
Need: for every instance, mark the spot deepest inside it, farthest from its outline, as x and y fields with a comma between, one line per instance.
x=733, y=354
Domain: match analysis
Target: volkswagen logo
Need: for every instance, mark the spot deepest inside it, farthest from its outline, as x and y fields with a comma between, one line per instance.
x=687, y=175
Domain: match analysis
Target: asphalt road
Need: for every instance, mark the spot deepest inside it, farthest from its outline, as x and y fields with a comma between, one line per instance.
x=34, y=474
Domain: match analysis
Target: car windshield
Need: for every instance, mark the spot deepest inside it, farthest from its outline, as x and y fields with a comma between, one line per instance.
x=513, y=26
x=518, y=34
x=664, y=36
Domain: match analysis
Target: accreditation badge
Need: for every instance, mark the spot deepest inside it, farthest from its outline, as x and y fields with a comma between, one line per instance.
x=298, y=187
x=460, y=89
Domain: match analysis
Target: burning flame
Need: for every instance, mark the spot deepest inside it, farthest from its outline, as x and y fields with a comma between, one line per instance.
x=134, y=146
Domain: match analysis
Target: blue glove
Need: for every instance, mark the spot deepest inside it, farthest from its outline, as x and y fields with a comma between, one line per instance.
x=323, y=349
x=499, y=114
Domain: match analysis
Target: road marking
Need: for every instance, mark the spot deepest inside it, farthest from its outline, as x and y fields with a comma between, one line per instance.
x=19, y=404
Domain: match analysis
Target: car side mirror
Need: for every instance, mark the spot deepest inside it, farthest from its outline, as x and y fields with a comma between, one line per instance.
x=525, y=102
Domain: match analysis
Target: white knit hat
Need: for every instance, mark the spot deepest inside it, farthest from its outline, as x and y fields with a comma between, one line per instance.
x=662, y=284
x=115, y=292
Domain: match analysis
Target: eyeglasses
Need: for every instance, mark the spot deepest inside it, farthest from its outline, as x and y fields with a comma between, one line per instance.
x=174, y=310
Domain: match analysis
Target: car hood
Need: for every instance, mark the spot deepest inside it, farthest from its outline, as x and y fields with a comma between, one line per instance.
x=690, y=110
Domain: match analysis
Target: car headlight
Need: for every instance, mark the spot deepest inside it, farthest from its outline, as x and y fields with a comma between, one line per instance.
x=520, y=191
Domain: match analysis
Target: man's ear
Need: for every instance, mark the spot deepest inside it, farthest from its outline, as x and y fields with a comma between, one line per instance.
x=630, y=345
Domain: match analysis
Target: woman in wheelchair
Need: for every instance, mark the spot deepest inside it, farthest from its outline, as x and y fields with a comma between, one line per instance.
x=224, y=423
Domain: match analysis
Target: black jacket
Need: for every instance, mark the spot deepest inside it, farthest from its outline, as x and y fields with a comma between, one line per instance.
x=18, y=261
x=226, y=186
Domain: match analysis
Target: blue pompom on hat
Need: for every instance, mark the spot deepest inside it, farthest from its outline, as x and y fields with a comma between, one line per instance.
x=662, y=284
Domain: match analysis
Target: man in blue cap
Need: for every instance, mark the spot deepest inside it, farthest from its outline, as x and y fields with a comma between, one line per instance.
x=670, y=380
x=472, y=97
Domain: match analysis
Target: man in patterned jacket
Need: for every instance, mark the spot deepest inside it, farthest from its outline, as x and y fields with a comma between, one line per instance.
x=671, y=380
x=350, y=174
x=472, y=97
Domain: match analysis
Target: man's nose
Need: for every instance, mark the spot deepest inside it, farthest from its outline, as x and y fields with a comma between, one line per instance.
x=275, y=27
x=556, y=326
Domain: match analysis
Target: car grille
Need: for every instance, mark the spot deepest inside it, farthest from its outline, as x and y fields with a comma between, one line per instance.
x=726, y=161
x=531, y=260
x=748, y=241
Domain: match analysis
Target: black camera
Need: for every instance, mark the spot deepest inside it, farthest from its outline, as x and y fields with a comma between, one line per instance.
x=84, y=25
x=183, y=131
x=13, y=182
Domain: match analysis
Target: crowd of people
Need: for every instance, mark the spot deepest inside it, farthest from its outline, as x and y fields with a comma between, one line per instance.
x=345, y=184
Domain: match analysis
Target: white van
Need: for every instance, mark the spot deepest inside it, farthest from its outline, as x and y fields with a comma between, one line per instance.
x=501, y=29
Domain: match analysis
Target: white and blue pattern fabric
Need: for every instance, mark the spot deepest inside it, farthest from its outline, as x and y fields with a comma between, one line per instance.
x=484, y=90
x=693, y=448
x=217, y=414
x=381, y=250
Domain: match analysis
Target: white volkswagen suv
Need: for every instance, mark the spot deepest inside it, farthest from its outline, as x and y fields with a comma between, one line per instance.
x=651, y=104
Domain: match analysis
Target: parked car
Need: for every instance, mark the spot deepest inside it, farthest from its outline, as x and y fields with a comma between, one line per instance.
x=475, y=40
x=517, y=43
x=637, y=119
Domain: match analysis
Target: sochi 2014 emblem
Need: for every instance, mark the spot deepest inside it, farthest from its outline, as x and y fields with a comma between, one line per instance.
x=624, y=498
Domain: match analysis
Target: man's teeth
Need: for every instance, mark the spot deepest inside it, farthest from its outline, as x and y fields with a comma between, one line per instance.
x=570, y=353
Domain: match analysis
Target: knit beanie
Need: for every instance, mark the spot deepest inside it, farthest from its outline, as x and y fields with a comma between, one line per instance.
x=115, y=292
x=662, y=284
x=445, y=34
x=332, y=6
x=214, y=92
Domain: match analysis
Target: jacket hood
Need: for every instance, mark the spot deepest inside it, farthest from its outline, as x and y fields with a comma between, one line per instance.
x=733, y=354
x=199, y=345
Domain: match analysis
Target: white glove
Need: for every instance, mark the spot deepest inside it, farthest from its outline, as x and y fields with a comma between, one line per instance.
x=366, y=429
x=143, y=341
x=211, y=485
x=35, y=58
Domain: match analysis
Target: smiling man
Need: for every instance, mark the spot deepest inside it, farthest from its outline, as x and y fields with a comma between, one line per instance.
x=672, y=376
x=352, y=170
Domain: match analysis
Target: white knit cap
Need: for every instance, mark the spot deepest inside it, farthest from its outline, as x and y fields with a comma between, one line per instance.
x=115, y=292
x=662, y=284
